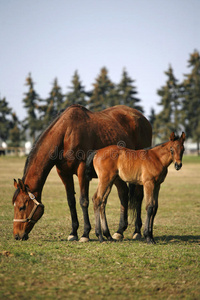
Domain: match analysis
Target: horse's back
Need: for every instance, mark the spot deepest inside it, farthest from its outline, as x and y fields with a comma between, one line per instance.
x=83, y=130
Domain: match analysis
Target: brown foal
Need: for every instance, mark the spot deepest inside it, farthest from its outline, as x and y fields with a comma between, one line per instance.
x=146, y=167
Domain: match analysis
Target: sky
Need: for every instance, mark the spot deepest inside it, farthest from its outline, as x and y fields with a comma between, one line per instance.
x=52, y=39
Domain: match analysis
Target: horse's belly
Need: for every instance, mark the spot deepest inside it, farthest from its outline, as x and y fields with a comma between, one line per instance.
x=130, y=177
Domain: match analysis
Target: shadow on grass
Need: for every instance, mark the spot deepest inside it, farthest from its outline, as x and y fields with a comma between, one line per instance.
x=165, y=239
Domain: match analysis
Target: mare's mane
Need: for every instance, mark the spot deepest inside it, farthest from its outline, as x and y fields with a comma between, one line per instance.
x=38, y=142
x=40, y=138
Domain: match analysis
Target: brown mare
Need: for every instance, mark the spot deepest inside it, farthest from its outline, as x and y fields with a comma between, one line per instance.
x=146, y=167
x=66, y=143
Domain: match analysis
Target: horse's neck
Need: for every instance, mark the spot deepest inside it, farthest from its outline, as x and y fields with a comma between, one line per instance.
x=38, y=169
x=163, y=155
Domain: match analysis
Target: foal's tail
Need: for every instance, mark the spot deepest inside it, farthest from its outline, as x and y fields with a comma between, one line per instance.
x=89, y=170
x=132, y=200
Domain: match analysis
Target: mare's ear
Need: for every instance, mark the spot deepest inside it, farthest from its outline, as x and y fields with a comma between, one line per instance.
x=15, y=183
x=172, y=136
x=21, y=185
x=183, y=136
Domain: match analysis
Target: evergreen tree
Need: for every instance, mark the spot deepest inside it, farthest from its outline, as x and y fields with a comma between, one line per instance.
x=168, y=119
x=101, y=94
x=152, y=119
x=77, y=94
x=5, y=119
x=31, y=104
x=127, y=92
x=15, y=133
x=53, y=104
x=191, y=99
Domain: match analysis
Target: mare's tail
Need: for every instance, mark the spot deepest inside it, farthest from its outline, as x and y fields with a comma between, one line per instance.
x=89, y=170
x=132, y=200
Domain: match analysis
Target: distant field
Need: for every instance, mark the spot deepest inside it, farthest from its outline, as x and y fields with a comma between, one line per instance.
x=47, y=266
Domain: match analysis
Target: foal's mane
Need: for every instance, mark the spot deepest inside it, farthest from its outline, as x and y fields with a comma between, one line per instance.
x=160, y=144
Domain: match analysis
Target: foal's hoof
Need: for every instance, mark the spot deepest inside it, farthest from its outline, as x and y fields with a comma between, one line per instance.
x=84, y=239
x=117, y=236
x=72, y=238
x=137, y=236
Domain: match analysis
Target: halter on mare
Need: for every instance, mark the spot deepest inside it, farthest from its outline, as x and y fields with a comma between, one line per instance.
x=36, y=204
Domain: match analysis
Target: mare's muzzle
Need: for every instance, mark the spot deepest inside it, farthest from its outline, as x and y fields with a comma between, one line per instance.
x=178, y=166
x=24, y=237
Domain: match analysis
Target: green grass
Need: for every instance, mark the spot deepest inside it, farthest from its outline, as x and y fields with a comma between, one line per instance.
x=47, y=266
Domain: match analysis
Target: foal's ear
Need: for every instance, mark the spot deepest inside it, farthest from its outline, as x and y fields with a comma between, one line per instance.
x=183, y=136
x=15, y=183
x=172, y=136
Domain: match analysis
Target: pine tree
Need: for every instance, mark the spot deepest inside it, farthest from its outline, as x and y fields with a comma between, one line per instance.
x=127, y=92
x=15, y=133
x=168, y=119
x=101, y=94
x=152, y=119
x=31, y=101
x=78, y=94
x=191, y=99
x=53, y=104
x=5, y=119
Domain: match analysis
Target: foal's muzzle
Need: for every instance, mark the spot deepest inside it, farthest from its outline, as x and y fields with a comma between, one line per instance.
x=178, y=166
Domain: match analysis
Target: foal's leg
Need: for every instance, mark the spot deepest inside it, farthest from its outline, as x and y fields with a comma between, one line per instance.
x=69, y=186
x=151, y=211
x=123, y=196
x=99, y=201
x=104, y=224
x=84, y=201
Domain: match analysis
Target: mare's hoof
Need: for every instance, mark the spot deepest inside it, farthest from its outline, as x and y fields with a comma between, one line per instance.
x=84, y=239
x=137, y=236
x=117, y=236
x=72, y=238
x=151, y=241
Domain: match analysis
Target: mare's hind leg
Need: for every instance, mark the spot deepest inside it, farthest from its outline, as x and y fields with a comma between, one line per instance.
x=123, y=196
x=151, y=197
x=138, y=194
x=84, y=201
x=69, y=186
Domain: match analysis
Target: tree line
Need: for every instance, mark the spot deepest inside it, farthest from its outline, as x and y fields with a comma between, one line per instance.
x=179, y=102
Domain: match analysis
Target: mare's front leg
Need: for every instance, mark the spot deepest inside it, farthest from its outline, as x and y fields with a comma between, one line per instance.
x=84, y=201
x=69, y=186
x=123, y=196
x=151, y=198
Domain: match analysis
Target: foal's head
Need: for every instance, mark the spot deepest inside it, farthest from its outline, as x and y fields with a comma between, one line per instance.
x=177, y=149
x=27, y=210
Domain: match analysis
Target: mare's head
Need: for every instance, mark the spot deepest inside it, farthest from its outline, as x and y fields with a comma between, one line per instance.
x=177, y=149
x=27, y=210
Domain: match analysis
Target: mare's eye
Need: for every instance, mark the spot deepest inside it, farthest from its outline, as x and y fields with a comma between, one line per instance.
x=171, y=151
x=22, y=207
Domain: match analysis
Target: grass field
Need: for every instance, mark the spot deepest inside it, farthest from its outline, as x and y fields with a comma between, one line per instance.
x=47, y=266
